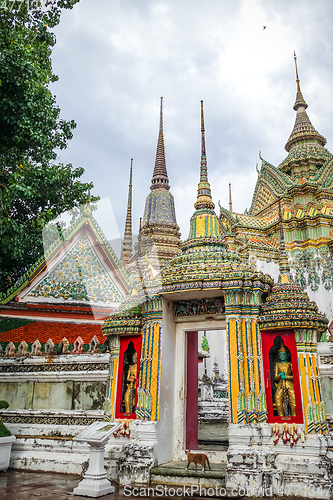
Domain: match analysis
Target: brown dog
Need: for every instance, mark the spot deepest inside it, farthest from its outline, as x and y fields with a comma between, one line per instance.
x=197, y=458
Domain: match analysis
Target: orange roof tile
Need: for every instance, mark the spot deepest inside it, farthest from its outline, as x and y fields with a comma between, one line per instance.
x=45, y=330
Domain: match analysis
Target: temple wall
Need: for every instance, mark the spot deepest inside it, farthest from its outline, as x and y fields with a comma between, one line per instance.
x=67, y=382
x=327, y=388
x=51, y=399
x=326, y=371
x=322, y=297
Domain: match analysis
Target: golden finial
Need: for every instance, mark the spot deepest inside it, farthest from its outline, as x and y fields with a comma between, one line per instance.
x=297, y=78
x=89, y=196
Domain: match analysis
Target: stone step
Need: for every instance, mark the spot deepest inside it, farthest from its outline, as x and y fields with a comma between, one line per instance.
x=177, y=474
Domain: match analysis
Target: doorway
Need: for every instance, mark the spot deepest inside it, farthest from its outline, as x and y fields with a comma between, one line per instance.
x=207, y=403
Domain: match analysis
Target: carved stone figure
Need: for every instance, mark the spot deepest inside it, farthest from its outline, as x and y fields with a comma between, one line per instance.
x=10, y=349
x=284, y=381
x=197, y=307
x=219, y=306
x=129, y=397
x=23, y=349
x=78, y=346
x=36, y=348
x=94, y=346
x=63, y=346
x=49, y=347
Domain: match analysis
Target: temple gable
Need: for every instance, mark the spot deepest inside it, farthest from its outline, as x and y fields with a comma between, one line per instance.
x=271, y=184
x=79, y=275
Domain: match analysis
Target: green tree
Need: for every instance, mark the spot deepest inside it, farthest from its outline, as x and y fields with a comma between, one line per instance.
x=34, y=187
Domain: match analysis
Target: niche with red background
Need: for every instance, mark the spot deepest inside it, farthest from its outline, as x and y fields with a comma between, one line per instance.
x=129, y=345
x=271, y=344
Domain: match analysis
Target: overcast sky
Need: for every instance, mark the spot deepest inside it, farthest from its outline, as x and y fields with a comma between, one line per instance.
x=115, y=58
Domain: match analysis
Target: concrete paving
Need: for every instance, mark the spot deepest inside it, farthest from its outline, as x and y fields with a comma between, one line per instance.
x=26, y=485
x=23, y=485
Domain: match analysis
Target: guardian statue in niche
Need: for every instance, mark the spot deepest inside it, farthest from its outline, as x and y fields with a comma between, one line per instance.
x=129, y=396
x=284, y=398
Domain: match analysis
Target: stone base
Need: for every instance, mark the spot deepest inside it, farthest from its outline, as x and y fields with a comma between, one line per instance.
x=256, y=467
x=48, y=447
x=92, y=486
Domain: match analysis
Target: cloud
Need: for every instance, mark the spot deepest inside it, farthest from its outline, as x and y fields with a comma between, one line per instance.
x=116, y=58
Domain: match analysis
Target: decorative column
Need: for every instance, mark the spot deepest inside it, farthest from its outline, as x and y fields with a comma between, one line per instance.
x=112, y=379
x=314, y=408
x=247, y=401
x=150, y=363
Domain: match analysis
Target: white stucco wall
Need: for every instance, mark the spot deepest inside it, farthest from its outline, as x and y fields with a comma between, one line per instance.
x=165, y=425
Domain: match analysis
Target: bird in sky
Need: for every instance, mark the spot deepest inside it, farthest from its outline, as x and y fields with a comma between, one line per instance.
x=264, y=27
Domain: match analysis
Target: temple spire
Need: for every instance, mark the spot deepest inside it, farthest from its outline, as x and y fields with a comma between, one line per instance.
x=159, y=222
x=127, y=243
x=203, y=166
x=204, y=197
x=303, y=131
x=160, y=176
x=305, y=146
x=204, y=225
x=299, y=96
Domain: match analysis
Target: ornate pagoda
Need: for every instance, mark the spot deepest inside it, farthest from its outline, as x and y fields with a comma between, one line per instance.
x=159, y=219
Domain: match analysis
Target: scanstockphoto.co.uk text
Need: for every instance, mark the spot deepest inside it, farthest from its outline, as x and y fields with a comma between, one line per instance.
x=162, y=490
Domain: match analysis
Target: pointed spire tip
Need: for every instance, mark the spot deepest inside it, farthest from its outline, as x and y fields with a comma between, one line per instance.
x=204, y=197
x=160, y=176
x=128, y=241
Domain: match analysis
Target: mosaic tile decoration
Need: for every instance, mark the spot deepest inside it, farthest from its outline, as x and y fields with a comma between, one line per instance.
x=79, y=275
x=160, y=208
x=85, y=219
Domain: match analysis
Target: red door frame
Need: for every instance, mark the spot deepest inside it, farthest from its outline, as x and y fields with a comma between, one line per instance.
x=267, y=339
x=124, y=341
x=192, y=390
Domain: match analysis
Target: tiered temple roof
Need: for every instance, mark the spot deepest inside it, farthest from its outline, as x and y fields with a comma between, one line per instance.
x=305, y=145
x=302, y=184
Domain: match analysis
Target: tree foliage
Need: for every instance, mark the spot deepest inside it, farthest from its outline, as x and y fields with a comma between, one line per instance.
x=34, y=186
